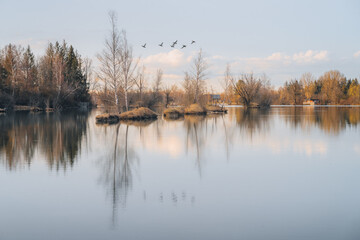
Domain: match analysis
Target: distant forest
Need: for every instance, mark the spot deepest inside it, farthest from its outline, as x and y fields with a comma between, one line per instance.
x=331, y=88
x=56, y=80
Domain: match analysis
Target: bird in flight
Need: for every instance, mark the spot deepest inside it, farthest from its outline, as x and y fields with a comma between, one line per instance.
x=144, y=46
x=173, y=45
x=161, y=44
x=192, y=42
x=183, y=46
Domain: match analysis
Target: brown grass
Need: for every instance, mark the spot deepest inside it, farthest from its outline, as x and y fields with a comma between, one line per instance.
x=138, y=114
x=195, y=109
x=215, y=109
x=174, y=112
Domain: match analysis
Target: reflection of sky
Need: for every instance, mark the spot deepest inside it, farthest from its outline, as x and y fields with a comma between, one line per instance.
x=194, y=180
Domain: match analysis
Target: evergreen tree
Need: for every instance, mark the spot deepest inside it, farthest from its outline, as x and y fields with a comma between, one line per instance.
x=3, y=78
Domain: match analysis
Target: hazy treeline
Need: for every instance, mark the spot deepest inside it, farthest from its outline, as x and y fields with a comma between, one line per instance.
x=330, y=88
x=55, y=80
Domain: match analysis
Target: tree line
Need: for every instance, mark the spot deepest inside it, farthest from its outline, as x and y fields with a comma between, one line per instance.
x=330, y=88
x=55, y=80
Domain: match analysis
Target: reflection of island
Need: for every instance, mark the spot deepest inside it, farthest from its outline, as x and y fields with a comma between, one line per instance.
x=331, y=120
x=56, y=137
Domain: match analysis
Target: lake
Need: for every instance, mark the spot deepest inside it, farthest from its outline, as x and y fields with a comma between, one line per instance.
x=281, y=173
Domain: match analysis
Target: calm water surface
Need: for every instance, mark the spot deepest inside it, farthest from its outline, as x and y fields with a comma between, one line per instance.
x=284, y=173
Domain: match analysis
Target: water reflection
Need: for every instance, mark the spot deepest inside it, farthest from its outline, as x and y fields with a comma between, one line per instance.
x=195, y=136
x=118, y=162
x=57, y=136
x=182, y=172
x=331, y=120
x=252, y=121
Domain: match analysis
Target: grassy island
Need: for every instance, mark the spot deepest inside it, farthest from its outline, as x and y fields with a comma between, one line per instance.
x=134, y=115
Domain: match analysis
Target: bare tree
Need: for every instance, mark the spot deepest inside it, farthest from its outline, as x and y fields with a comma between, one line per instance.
x=156, y=95
x=226, y=83
x=168, y=90
x=141, y=83
x=158, y=81
x=189, y=91
x=128, y=66
x=247, y=87
x=265, y=95
x=111, y=60
x=59, y=77
x=88, y=70
x=198, y=75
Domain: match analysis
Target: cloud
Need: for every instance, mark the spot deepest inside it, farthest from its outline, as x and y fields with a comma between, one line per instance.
x=280, y=66
x=357, y=54
x=174, y=58
x=278, y=56
x=279, y=59
x=310, y=56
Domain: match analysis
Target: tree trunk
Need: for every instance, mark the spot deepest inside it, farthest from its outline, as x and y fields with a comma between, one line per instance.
x=126, y=101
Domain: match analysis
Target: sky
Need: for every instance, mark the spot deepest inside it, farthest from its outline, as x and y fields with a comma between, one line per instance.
x=281, y=38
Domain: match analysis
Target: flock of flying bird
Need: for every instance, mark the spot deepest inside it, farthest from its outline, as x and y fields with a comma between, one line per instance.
x=172, y=45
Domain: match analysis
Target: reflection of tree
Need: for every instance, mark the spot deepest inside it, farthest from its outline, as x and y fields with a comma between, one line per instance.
x=117, y=167
x=331, y=120
x=56, y=136
x=141, y=125
x=199, y=128
x=226, y=138
x=194, y=135
x=252, y=120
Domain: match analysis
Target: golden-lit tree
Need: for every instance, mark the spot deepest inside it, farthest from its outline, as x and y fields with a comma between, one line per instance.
x=308, y=82
x=330, y=90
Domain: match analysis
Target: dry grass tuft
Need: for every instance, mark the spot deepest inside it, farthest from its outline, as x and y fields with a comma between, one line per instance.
x=138, y=114
x=174, y=112
x=195, y=109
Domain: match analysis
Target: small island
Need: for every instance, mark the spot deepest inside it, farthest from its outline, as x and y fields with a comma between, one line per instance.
x=134, y=115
